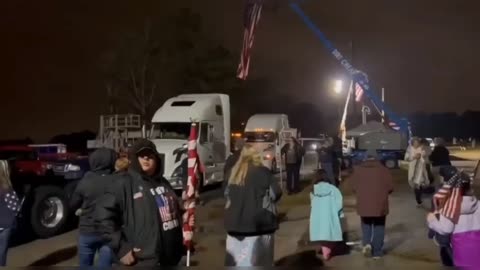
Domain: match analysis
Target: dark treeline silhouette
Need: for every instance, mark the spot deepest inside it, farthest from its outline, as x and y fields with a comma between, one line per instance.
x=446, y=125
x=76, y=142
x=25, y=141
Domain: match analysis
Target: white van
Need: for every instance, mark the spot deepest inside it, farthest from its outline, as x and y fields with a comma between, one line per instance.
x=268, y=133
x=171, y=130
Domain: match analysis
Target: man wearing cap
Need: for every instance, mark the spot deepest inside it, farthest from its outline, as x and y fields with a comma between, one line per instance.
x=140, y=215
x=372, y=183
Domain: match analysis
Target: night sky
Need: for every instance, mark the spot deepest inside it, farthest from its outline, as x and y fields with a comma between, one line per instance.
x=423, y=52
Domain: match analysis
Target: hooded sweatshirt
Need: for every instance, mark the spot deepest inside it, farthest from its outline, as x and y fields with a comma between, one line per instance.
x=327, y=208
x=143, y=212
x=465, y=234
x=92, y=186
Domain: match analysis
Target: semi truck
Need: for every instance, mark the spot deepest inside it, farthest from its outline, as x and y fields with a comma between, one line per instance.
x=170, y=131
x=269, y=133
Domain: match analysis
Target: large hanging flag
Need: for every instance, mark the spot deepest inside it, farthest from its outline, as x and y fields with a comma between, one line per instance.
x=251, y=16
x=358, y=92
x=190, y=193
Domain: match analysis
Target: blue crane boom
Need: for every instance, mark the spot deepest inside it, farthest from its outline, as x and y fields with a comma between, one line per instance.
x=357, y=76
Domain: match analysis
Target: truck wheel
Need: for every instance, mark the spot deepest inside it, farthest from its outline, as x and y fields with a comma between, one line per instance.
x=49, y=211
x=391, y=163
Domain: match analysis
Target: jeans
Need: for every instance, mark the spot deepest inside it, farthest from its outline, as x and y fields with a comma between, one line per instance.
x=328, y=168
x=4, y=240
x=373, y=232
x=88, y=246
x=293, y=177
x=418, y=194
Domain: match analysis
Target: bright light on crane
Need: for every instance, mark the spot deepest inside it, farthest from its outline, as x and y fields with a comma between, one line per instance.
x=338, y=86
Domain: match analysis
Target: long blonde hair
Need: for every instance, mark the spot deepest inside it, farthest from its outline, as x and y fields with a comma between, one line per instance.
x=249, y=155
x=5, y=183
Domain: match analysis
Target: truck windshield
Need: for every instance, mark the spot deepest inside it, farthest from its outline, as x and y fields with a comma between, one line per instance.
x=179, y=131
x=260, y=136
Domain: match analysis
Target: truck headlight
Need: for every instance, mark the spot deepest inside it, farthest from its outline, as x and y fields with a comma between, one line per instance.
x=72, y=168
x=268, y=156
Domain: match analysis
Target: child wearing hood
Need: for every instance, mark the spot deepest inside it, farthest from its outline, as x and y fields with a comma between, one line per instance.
x=326, y=211
x=457, y=214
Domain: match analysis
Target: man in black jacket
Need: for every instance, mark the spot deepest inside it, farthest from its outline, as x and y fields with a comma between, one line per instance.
x=88, y=191
x=140, y=215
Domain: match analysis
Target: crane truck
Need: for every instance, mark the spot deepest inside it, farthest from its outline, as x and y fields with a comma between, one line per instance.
x=388, y=156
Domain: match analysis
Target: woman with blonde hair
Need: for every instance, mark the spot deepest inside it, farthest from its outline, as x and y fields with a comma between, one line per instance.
x=250, y=211
x=9, y=207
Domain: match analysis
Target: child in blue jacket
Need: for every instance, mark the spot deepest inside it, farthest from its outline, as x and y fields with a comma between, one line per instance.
x=326, y=211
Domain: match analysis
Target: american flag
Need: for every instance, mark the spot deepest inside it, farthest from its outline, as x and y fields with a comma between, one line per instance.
x=252, y=12
x=358, y=92
x=12, y=201
x=189, y=195
x=164, y=207
x=448, y=199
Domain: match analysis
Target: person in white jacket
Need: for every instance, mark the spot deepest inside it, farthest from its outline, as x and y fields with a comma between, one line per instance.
x=418, y=156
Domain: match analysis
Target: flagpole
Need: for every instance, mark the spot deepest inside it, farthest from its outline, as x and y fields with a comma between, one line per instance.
x=383, y=100
x=188, y=258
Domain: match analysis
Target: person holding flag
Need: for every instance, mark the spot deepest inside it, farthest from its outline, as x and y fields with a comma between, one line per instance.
x=139, y=215
x=10, y=206
x=457, y=214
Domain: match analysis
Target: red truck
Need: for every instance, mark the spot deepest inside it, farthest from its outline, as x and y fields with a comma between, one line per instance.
x=46, y=193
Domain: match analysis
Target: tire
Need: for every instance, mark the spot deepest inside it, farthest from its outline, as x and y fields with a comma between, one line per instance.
x=49, y=212
x=391, y=163
x=274, y=166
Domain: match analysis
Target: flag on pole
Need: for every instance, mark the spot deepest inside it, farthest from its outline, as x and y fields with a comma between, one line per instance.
x=358, y=92
x=251, y=16
x=448, y=199
x=190, y=193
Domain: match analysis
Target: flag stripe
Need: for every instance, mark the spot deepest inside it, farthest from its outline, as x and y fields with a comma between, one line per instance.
x=252, y=14
x=358, y=92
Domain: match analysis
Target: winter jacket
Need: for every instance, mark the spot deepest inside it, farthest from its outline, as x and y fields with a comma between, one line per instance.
x=417, y=168
x=299, y=153
x=325, y=214
x=372, y=184
x=325, y=154
x=250, y=209
x=440, y=156
x=465, y=237
x=143, y=212
x=92, y=187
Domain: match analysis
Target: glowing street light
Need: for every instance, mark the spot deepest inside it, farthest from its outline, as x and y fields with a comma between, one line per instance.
x=338, y=86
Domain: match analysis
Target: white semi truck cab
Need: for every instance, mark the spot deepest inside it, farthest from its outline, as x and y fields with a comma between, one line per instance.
x=268, y=133
x=171, y=130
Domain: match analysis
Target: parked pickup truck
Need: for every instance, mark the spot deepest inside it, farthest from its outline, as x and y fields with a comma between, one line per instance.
x=45, y=186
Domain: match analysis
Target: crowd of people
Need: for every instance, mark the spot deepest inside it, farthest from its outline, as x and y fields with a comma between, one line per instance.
x=130, y=215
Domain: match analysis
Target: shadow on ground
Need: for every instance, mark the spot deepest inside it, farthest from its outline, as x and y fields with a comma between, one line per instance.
x=307, y=258
x=56, y=257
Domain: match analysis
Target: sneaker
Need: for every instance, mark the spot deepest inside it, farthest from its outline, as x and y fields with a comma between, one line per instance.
x=367, y=250
x=376, y=257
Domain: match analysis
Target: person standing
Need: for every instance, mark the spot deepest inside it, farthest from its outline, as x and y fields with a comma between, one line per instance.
x=85, y=198
x=326, y=159
x=418, y=179
x=372, y=183
x=326, y=211
x=9, y=207
x=458, y=215
x=140, y=215
x=250, y=211
x=293, y=153
x=439, y=158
